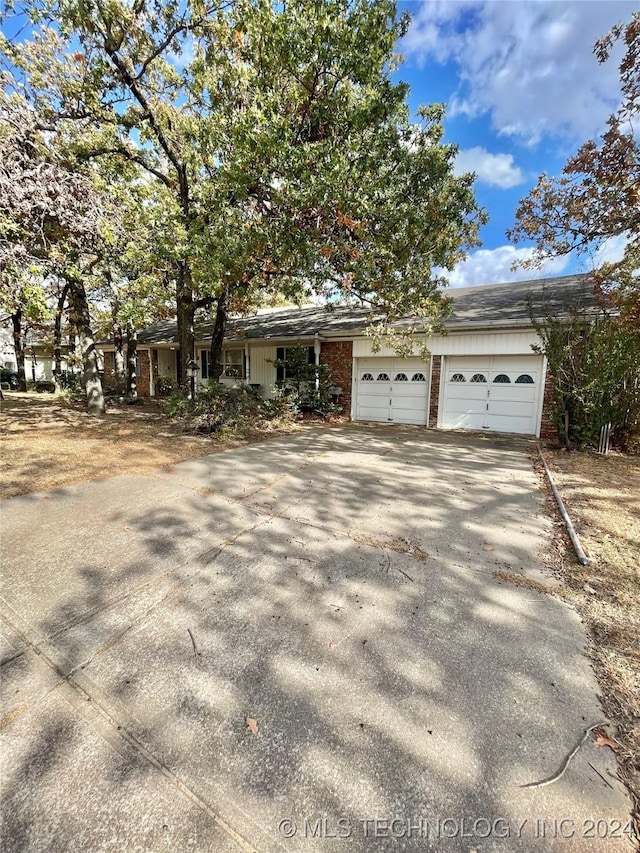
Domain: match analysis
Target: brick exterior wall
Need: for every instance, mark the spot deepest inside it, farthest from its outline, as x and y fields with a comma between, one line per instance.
x=548, y=431
x=143, y=381
x=156, y=372
x=144, y=378
x=434, y=395
x=338, y=356
x=109, y=376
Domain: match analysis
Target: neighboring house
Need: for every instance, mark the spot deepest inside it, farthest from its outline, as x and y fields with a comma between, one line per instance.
x=7, y=350
x=481, y=375
x=38, y=357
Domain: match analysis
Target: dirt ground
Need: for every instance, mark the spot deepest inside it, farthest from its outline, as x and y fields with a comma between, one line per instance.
x=47, y=441
x=602, y=496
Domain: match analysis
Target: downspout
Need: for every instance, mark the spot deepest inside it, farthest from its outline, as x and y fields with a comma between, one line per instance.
x=247, y=365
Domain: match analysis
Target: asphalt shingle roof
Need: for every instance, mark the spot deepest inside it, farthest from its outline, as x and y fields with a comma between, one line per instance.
x=483, y=306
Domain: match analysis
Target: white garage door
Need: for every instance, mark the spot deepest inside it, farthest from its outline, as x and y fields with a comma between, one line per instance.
x=500, y=393
x=392, y=390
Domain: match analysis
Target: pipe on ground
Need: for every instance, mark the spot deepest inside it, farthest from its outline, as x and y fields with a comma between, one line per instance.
x=575, y=541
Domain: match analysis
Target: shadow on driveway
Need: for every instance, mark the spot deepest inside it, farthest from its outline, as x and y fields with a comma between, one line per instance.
x=336, y=588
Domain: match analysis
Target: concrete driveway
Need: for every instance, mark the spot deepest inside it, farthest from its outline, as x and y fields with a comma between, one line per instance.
x=336, y=588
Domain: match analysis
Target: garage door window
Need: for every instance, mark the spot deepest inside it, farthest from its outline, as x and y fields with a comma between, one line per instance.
x=383, y=377
x=367, y=377
x=418, y=377
x=478, y=377
x=401, y=377
x=458, y=377
x=524, y=379
x=502, y=377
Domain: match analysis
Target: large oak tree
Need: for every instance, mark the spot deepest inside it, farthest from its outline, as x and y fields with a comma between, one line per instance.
x=288, y=159
x=50, y=222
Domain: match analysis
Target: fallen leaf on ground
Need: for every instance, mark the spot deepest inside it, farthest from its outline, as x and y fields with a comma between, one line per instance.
x=488, y=548
x=252, y=725
x=603, y=739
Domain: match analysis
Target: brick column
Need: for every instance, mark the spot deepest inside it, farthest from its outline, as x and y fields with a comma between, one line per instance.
x=109, y=376
x=338, y=356
x=434, y=394
x=143, y=379
x=548, y=430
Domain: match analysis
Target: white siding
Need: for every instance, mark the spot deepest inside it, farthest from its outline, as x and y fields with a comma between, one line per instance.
x=167, y=363
x=42, y=367
x=460, y=343
x=262, y=372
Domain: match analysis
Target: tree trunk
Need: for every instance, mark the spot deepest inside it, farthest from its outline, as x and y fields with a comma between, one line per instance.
x=82, y=323
x=18, y=343
x=118, y=341
x=217, y=339
x=57, y=339
x=132, y=360
x=185, y=317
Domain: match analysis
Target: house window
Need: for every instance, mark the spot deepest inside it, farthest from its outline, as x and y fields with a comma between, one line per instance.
x=458, y=377
x=502, y=377
x=233, y=363
x=282, y=354
x=205, y=358
x=524, y=379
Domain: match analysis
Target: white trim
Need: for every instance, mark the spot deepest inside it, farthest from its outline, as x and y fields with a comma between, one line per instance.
x=488, y=343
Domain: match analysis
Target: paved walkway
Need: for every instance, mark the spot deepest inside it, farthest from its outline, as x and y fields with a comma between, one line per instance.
x=336, y=588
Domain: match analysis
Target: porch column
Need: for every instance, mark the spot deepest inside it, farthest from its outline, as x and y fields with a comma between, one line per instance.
x=247, y=363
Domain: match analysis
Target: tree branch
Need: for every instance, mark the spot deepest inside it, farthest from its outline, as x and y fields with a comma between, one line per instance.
x=129, y=155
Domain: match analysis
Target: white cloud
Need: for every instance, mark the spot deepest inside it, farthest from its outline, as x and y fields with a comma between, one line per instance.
x=493, y=266
x=530, y=65
x=611, y=251
x=496, y=170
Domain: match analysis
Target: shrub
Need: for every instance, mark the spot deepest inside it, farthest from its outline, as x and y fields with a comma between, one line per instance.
x=595, y=367
x=308, y=387
x=216, y=408
x=166, y=386
x=177, y=406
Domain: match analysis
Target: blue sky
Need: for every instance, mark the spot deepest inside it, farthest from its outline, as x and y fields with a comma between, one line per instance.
x=523, y=90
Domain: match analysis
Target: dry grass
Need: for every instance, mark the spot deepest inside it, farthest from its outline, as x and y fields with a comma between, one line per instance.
x=602, y=496
x=48, y=442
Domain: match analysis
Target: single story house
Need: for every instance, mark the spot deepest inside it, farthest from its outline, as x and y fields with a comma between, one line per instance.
x=481, y=375
x=38, y=357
